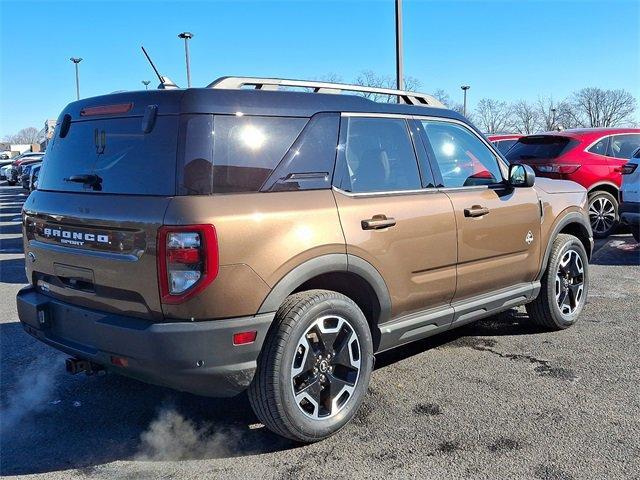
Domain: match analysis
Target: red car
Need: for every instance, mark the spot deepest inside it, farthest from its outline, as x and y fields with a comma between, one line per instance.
x=591, y=157
x=504, y=142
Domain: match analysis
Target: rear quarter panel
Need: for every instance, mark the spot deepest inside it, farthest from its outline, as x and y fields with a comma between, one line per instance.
x=261, y=237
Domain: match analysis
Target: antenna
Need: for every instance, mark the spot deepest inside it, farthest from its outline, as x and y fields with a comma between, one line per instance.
x=165, y=82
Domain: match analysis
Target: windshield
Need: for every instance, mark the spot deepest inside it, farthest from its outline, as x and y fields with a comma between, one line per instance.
x=539, y=146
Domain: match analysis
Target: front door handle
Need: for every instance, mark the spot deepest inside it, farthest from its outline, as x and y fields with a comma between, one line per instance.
x=378, y=222
x=475, y=211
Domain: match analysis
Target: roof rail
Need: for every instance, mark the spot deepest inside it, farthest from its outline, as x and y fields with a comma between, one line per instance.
x=235, y=83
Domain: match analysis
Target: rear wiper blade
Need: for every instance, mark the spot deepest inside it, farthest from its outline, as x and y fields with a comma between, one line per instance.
x=87, y=179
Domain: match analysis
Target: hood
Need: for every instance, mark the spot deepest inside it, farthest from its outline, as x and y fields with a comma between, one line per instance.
x=549, y=185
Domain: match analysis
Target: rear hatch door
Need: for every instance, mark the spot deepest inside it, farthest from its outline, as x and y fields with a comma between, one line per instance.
x=91, y=227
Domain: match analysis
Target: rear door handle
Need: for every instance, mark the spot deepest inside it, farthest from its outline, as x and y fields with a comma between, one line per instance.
x=475, y=211
x=378, y=222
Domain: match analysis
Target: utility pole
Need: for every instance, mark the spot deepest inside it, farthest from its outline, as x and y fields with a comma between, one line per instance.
x=464, y=102
x=399, y=55
x=76, y=61
x=146, y=84
x=186, y=36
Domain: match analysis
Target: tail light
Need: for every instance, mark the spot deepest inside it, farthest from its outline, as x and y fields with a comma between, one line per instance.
x=187, y=261
x=557, y=168
x=628, y=168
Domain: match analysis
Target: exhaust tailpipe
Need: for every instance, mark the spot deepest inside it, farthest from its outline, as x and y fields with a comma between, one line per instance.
x=77, y=365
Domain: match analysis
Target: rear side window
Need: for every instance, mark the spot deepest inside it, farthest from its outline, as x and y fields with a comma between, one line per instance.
x=539, y=147
x=232, y=154
x=462, y=158
x=377, y=156
x=600, y=147
x=308, y=165
x=127, y=160
x=623, y=146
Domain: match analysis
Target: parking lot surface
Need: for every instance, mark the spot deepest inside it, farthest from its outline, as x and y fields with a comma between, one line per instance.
x=496, y=399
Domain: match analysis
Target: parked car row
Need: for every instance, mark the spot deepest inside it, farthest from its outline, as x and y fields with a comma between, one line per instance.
x=12, y=172
x=592, y=157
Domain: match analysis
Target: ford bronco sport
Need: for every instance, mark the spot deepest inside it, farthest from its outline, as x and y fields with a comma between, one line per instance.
x=223, y=239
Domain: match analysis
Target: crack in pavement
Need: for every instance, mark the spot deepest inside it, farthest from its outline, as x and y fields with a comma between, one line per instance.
x=543, y=368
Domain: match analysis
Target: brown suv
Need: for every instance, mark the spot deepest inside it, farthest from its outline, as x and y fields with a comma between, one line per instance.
x=228, y=238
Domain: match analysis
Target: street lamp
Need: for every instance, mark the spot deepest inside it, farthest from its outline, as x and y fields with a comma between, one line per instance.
x=146, y=84
x=186, y=36
x=76, y=61
x=553, y=119
x=464, y=102
x=399, y=55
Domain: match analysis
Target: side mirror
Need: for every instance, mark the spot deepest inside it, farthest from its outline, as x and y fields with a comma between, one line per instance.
x=521, y=176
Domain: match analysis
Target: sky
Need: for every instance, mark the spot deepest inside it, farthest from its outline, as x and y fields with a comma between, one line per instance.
x=503, y=50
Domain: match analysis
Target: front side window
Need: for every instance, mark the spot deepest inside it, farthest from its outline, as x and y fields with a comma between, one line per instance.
x=463, y=159
x=623, y=146
x=376, y=155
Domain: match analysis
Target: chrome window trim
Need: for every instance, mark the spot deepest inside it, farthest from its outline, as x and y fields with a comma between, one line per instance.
x=586, y=150
x=427, y=190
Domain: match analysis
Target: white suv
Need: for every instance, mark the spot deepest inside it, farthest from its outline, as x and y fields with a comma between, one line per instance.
x=630, y=195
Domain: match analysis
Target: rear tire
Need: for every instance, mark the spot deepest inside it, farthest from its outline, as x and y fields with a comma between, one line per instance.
x=314, y=368
x=603, y=213
x=564, y=285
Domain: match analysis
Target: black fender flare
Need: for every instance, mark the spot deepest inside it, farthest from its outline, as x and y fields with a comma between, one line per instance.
x=571, y=217
x=334, y=262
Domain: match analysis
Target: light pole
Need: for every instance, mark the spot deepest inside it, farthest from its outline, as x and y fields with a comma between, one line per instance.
x=146, y=84
x=553, y=119
x=186, y=36
x=464, y=101
x=399, y=55
x=76, y=61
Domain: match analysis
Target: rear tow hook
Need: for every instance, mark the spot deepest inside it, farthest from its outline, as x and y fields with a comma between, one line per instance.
x=77, y=365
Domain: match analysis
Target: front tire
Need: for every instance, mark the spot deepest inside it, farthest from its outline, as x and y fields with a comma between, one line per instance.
x=603, y=213
x=564, y=285
x=314, y=368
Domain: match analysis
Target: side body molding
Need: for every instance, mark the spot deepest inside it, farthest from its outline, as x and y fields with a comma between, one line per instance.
x=334, y=262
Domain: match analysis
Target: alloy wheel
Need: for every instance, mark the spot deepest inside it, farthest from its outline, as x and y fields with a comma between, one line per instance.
x=325, y=367
x=569, y=285
x=602, y=214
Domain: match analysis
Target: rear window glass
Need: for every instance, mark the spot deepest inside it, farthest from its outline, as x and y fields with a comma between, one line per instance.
x=504, y=145
x=127, y=160
x=543, y=147
x=237, y=155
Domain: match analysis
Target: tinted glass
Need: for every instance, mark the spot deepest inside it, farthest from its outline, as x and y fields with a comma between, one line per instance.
x=623, y=146
x=247, y=149
x=309, y=163
x=195, y=154
x=600, y=148
x=504, y=145
x=377, y=156
x=127, y=160
x=539, y=146
x=463, y=159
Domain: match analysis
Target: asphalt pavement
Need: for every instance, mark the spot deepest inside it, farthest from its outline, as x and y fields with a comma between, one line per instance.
x=496, y=399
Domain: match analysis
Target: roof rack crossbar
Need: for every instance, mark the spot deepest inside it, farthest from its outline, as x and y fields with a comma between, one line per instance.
x=235, y=83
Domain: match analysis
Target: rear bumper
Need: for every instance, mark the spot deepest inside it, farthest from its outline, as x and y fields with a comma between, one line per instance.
x=196, y=357
x=630, y=213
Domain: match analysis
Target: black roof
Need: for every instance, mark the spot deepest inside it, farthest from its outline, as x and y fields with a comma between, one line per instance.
x=250, y=102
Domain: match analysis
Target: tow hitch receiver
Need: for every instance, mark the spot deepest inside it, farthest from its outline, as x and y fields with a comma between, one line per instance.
x=76, y=365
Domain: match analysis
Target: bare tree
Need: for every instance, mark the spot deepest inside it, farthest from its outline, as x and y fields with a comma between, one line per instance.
x=442, y=95
x=27, y=135
x=330, y=77
x=493, y=116
x=604, y=108
x=525, y=117
x=557, y=115
x=368, y=78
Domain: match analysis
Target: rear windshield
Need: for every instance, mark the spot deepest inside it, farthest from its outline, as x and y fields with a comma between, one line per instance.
x=125, y=158
x=539, y=146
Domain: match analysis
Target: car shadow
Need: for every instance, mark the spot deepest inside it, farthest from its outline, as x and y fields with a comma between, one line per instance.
x=101, y=419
